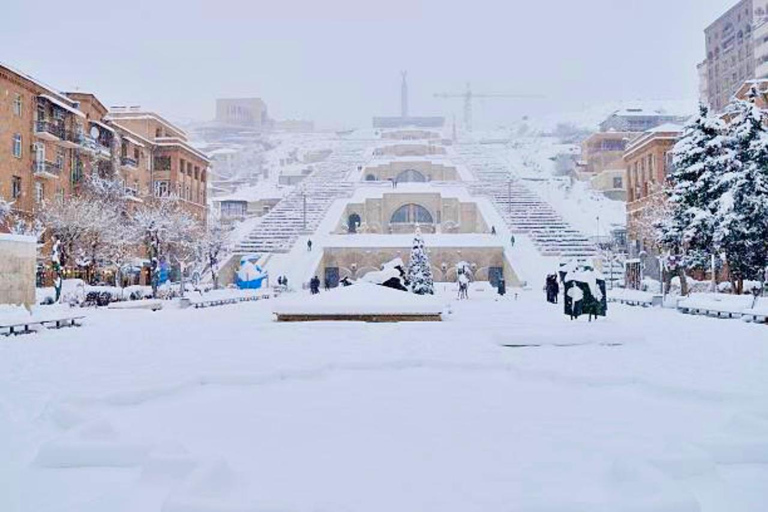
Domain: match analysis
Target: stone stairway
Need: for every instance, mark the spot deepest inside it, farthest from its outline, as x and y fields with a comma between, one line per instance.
x=278, y=230
x=524, y=211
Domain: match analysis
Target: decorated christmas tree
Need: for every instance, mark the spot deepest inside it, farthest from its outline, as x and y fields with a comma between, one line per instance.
x=419, y=270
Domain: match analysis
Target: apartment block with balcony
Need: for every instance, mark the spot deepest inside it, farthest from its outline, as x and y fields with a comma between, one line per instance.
x=177, y=168
x=39, y=141
x=602, y=151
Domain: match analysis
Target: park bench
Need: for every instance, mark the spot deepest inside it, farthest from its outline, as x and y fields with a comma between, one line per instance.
x=632, y=297
x=717, y=305
x=202, y=301
x=25, y=326
x=758, y=313
x=151, y=304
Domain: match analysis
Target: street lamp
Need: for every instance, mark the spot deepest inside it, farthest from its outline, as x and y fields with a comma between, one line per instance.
x=304, y=209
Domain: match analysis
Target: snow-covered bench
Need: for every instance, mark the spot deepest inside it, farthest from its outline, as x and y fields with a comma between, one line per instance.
x=632, y=297
x=719, y=305
x=222, y=298
x=151, y=304
x=17, y=320
x=758, y=313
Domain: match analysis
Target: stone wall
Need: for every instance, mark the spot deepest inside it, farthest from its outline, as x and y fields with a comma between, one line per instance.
x=18, y=258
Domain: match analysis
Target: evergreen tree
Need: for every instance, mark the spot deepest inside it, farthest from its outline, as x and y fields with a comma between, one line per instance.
x=419, y=269
x=742, y=207
x=700, y=157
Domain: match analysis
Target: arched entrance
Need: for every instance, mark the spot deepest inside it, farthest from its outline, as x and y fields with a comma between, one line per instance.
x=411, y=214
x=410, y=176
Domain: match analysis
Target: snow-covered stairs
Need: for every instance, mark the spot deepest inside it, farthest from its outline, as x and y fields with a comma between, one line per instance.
x=524, y=211
x=278, y=230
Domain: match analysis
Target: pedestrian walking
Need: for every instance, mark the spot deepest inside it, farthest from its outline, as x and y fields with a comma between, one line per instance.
x=493, y=230
x=502, y=286
x=309, y=245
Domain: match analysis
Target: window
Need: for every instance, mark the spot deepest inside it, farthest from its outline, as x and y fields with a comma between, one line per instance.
x=17, y=145
x=162, y=163
x=618, y=182
x=197, y=173
x=17, y=105
x=39, y=192
x=15, y=187
x=411, y=214
x=162, y=188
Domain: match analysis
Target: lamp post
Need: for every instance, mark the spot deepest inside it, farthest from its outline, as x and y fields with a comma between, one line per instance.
x=304, y=208
x=509, y=195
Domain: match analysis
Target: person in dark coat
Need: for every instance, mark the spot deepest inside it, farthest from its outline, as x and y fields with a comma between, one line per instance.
x=493, y=230
x=555, y=289
x=314, y=285
x=309, y=245
x=502, y=287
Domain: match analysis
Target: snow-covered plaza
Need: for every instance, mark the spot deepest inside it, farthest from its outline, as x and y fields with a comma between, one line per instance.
x=504, y=406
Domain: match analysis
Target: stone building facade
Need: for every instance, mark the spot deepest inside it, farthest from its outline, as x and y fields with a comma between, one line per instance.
x=410, y=170
x=649, y=163
x=395, y=213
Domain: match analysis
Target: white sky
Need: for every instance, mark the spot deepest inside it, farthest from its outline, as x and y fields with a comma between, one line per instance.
x=338, y=61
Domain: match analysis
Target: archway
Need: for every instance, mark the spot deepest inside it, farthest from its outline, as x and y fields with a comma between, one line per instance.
x=410, y=175
x=370, y=177
x=411, y=214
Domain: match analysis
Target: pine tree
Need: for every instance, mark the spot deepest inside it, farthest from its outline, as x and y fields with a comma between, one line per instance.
x=419, y=269
x=700, y=157
x=742, y=207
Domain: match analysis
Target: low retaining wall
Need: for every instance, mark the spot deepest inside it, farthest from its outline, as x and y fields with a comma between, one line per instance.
x=378, y=318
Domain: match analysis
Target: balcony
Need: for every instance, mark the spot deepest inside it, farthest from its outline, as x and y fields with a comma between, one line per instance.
x=129, y=162
x=71, y=139
x=46, y=170
x=95, y=147
x=49, y=131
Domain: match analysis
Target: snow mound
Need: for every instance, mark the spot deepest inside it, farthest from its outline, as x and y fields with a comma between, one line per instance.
x=359, y=299
x=92, y=445
x=212, y=487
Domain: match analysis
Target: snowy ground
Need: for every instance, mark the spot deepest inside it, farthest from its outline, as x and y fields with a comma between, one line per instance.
x=224, y=410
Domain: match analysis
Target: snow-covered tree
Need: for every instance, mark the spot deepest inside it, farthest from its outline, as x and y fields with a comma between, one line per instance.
x=5, y=210
x=419, y=269
x=700, y=157
x=212, y=246
x=741, y=220
x=167, y=231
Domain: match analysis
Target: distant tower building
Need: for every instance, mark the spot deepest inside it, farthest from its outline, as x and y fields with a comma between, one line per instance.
x=242, y=112
x=404, y=95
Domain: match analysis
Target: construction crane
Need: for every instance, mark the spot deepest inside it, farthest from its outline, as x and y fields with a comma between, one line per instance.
x=468, y=96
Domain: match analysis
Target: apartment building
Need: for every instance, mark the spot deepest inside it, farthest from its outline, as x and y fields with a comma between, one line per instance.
x=637, y=120
x=602, y=151
x=46, y=144
x=736, y=50
x=648, y=160
x=177, y=168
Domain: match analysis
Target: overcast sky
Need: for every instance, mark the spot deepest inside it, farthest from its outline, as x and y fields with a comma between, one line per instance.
x=338, y=61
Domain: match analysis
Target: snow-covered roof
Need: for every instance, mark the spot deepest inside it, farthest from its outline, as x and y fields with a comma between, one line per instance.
x=37, y=82
x=667, y=127
x=222, y=151
x=258, y=192
x=69, y=108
